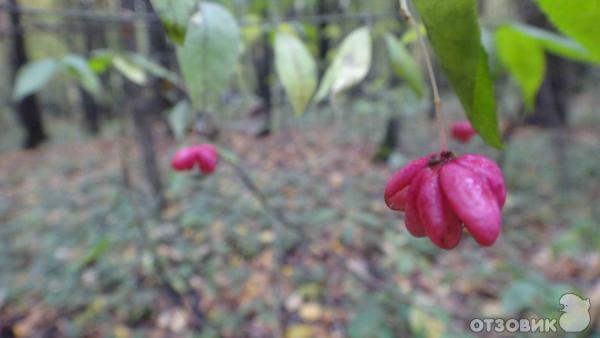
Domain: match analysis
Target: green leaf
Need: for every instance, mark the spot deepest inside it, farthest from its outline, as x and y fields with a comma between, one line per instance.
x=78, y=66
x=95, y=252
x=350, y=65
x=33, y=76
x=454, y=33
x=578, y=19
x=557, y=44
x=101, y=60
x=524, y=57
x=404, y=65
x=179, y=118
x=175, y=15
x=296, y=69
x=209, y=54
x=129, y=69
x=153, y=68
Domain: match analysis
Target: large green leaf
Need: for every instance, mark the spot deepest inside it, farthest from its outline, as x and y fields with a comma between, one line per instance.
x=350, y=65
x=174, y=15
x=557, y=44
x=33, y=76
x=454, y=33
x=209, y=54
x=578, y=19
x=296, y=69
x=404, y=65
x=524, y=57
x=80, y=68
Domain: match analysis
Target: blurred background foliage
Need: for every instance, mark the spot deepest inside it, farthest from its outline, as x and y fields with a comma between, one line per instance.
x=318, y=102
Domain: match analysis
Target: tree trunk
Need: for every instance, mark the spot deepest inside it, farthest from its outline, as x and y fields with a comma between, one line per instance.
x=28, y=110
x=262, y=58
x=390, y=141
x=550, y=105
x=142, y=121
x=93, y=38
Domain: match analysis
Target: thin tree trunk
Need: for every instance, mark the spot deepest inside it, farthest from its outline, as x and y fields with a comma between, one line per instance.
x=262, y=59
x=28, y=110
x=142, y=121
x=92, y=39
x=390, y=141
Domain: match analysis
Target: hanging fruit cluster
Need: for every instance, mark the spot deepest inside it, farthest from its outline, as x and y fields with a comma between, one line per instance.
x=441, y=193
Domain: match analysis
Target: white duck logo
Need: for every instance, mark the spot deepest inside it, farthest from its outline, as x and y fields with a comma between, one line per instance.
x=576, y=315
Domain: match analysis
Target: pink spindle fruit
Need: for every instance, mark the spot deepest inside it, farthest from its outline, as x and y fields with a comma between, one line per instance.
x=441, y=192
x=205, y=155
x=462, y=131
x=183, y=159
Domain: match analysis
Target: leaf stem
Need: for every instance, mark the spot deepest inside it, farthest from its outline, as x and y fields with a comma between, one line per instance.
x=437, y=101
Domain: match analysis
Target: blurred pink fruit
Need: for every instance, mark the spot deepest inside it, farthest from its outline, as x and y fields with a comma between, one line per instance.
x=462, y=131
x=205, y=155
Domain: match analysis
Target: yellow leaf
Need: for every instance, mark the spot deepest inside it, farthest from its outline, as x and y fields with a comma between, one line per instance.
x=426, y=324
x=299, y=331
x=310, y=312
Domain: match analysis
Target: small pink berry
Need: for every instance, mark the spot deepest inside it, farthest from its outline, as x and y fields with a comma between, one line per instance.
x=462, y=131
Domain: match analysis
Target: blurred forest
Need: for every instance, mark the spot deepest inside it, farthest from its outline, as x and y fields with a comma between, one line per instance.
x=313, y=104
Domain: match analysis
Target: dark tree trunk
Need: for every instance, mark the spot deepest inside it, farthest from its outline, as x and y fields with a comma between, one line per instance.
x=551, y=102
x=324, y=7
x=159, y=50
x=262, y=57
x=141, y=119
x=93, y=38
x=28, y=110
x=390, y=141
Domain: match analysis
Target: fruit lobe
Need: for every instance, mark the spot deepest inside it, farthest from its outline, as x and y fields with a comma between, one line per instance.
x=397, y=187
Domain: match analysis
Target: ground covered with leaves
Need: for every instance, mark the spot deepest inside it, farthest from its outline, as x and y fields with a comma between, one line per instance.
x=82, y=254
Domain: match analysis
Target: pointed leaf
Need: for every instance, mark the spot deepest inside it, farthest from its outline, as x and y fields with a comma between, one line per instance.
x=296, y=69
x=174, y=15
x=454, y=33
x=557, y=44
x=578, y=19
x=153, y=68
x=209, y=54
x=404, y=65
x=130, y=69
x=179, y=118
x=350, y=65
x=524, y=57
x=33, y=76
x=79, y=66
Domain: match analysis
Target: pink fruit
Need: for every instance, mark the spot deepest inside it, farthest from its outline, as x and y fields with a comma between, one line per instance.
x=183, y=159
x=207, y=158
x=397, y=188
x=440, y=193
x=205, y=155
x=462, y=131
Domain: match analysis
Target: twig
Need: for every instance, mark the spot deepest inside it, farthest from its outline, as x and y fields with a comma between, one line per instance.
x=437, y=101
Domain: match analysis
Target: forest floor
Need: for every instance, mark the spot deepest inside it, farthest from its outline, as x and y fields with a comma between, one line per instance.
x=81, y=254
